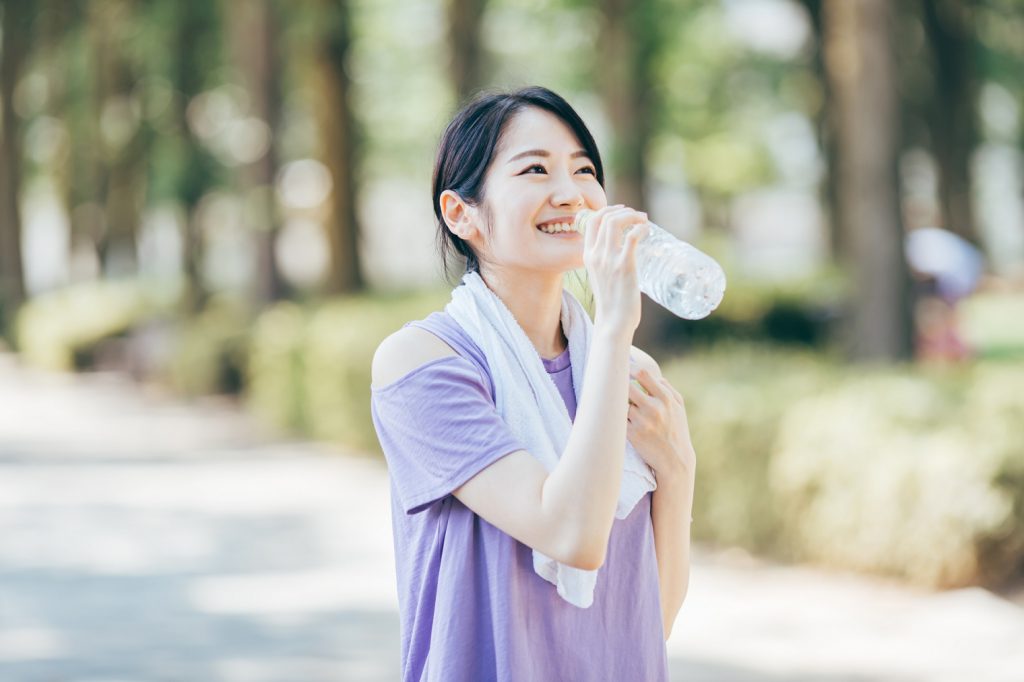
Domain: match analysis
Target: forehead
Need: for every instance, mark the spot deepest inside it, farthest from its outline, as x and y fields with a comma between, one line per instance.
x=533, y=128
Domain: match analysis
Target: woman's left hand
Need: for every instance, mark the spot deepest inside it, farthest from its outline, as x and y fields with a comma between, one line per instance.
x=657, y=426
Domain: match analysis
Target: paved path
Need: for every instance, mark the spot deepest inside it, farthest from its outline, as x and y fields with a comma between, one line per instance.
x=141, y=539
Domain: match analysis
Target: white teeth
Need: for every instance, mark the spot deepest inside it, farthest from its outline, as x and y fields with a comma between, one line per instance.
x=557, y=227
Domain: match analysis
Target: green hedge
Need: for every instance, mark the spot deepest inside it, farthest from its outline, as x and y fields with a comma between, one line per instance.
x=799, y=313
x=919, y=477
x=53, y=330
x=911, y=472
x=274, y=377
x=309, y=369
x=993, y=324
x=210, y=350
x=736, y=396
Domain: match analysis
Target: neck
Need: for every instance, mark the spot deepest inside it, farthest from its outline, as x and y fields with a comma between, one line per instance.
x=535, y=300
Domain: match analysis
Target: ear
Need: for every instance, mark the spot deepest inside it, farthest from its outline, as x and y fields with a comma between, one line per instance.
x=458, y=215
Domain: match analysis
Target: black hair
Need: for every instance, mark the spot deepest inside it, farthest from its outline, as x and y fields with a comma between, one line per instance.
x=468, y=146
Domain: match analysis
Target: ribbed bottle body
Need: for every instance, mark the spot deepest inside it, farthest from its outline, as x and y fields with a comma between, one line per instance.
x=678, y=276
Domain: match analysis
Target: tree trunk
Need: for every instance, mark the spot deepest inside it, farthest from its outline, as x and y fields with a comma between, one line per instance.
x=949, y=25
x=825, y=134
x=339, y=137
x=195, y=175
x=16, y=24
x=862, y=76
x=123, y=159
x=465, y=68
x=253, y=37
x=628, y=44
x=74, y=184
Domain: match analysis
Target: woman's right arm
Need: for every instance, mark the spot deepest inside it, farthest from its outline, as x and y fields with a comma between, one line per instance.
x=567, y=513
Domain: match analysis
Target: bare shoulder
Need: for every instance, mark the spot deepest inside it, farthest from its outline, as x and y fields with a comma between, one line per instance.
x=404, y=351
x=645, y=361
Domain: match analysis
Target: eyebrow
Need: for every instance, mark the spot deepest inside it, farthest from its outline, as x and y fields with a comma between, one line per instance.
x=545, y=153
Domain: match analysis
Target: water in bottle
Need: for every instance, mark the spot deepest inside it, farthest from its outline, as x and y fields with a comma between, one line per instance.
x=674, y=274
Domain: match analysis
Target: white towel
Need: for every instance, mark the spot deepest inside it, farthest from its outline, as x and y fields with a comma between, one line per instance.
x=528, y=400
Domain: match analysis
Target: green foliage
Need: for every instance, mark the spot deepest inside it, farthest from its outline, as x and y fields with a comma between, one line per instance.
x=903, y=474
x=53, y=329
x=993, y=324
x=727, y=163
x=796, y=312
x=210, y=350
x=736, y=396
x=912, y=472
x=274, y=386
x=309, y=369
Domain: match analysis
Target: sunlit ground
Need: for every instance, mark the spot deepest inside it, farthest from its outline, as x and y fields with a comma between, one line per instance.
x=144, y=540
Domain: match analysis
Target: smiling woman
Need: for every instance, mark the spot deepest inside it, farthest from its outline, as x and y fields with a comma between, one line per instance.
x=516, y=144
x=522, y=460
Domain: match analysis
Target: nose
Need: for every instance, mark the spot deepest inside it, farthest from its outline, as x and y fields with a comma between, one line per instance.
x=566, y=194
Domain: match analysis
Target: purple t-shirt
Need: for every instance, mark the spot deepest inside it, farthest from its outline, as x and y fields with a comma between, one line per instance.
x=472, y=608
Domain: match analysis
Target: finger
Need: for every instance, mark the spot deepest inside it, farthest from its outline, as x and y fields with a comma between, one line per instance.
x=595, y=228
x=638, y=398
x=633, y=237
x=651, y=384
x=612, y=227
x=626, y=218
x=594, y=222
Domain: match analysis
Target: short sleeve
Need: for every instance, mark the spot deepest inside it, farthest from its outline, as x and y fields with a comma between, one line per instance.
x=438, y=427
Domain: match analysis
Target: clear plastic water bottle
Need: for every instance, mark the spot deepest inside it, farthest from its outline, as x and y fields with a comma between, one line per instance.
x=674, y=274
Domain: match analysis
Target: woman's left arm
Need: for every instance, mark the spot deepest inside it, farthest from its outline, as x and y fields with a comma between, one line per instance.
x=659, y=431
x=671, y=506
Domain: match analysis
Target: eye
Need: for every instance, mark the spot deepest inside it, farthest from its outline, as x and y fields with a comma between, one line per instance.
x=530, y=169
x=588, y=169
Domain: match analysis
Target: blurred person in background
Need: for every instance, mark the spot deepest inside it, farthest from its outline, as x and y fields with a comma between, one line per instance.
x=947, y=269
x=541, y=524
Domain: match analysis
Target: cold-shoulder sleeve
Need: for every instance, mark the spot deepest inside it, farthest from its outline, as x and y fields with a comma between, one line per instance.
x=438, y=428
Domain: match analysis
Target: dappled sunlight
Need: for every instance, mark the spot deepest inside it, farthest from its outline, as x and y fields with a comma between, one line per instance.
x=31, y=644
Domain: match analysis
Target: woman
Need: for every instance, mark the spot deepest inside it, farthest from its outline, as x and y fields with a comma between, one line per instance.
x=530, y=540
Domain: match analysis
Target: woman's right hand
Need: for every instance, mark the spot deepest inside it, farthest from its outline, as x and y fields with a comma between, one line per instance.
x=609, y=254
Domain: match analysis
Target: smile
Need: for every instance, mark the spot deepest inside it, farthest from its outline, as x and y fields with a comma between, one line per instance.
x=558, y=228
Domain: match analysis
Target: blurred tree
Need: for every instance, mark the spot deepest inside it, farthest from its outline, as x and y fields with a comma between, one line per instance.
x=121, y=152
x=253, y=28
x=823, y=126
x=862, y=74
x=949, y=26
x=627, y=47
x=716, y=97
x=66, y=64
x=465, y=63
x=333, y=104
x=16, y=26
x=194, y=41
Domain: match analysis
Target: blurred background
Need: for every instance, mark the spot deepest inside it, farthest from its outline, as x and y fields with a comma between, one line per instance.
x=212, y=212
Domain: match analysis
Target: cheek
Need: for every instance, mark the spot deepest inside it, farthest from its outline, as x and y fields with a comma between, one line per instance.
x=595, y=197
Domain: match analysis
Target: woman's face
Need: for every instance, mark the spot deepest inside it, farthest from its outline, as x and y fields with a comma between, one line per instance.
x=540, y=175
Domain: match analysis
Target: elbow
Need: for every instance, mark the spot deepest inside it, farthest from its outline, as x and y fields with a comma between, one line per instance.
x=587, y=556
x=589, y=563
